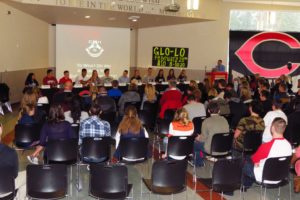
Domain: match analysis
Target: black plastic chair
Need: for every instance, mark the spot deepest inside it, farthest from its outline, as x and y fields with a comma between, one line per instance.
x=47, y=181
x=226, y=177
x=44, y=107
x=276, y=169
x=252, y=140
x=147, y=119
x=63, y=151
x=109, y=182
x=197, y=121
x=75, y=127
x=221, y=145
x=167, y=177
x=109, y=117
x=133, y=150
x=150, y=106
x=7, y=183
x=26, y=134
x=136, y=104
x=180, y=146
x=169, y=114
x=95, y=149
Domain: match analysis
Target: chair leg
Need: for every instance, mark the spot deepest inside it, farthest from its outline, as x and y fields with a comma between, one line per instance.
x=260, y=193
x=265, y=193
x=210, y=194
x=222, y=195
x=278, y=195
x=290, y=188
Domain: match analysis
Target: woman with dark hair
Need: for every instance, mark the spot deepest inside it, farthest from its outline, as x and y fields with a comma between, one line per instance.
x=130, y=127
x=160, y=76
x=31, y=81
x=75, y=114
x=171, y=75
x=54, y=129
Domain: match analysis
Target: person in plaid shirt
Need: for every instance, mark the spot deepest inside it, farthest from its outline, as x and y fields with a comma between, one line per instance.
x=94, y=126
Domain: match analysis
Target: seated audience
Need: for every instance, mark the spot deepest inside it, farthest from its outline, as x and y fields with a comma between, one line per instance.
x=27, y=115
x=41, y=99
x=136, y=76
x=148, y=77
x=252, y=123
x=129, y=127
x=171, y=99
x=95, y=80
x=106, y=78
x=266, y=102
x=182, y=76
x=9, y=161
x=31, y=81
x=82, y=79
x=210, y=126
x=106, y=103
x=115, y=92
x=180, y=126
x=130, y=96
x=61, y=95
x=269, y=118
x=292, y=130
x=194, y=108
x=282, y=94
x=54, y=129
x=65, y=78
x=171, y=75
x=297, y=169
x=160, y=76
x=50, y=79
x=149, y=95
x=254, y=167
x=75, y=114
x=124, y=78
x=193, y=84
x=94, y=126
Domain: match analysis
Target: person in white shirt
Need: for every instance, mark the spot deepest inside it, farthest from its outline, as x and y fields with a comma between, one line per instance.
x=194, y=108
x=268, y=119
x=82, y=79
x=277, y=147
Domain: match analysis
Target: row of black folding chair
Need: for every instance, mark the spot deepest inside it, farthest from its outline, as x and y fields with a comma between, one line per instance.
x=26, y=134
x=51, y=182
x=7, y=183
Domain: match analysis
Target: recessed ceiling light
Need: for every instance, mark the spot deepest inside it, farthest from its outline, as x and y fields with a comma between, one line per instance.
x=134, y=18
x=87, y=16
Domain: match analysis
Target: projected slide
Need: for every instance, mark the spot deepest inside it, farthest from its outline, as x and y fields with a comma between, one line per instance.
x=92, y=48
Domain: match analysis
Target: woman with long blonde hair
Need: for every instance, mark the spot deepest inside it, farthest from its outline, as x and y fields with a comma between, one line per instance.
x=149, y=94
x=130, y=127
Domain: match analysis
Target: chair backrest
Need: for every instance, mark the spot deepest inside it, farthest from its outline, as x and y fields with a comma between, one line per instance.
x=109, y=117
x=276, y=169
x=134, y=148
x=169, y=173
x=169, y=114
x=96, y=148
x=106, y=179
x=227, y=175
x=146, y=118
x=221, y=143
x=197, y=121
x=137, y=104
x=252, y=140
x=26, y=134
x=163, y=127
x=62, y=151
x=47, y=181
x=75, y=127
x=150, y=107
x=180, y=145
x=7, y=180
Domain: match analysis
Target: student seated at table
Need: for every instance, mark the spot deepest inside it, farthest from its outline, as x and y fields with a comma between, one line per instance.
x=160, y=76
x=171, y=75
x=129, y=127
x=54, y=129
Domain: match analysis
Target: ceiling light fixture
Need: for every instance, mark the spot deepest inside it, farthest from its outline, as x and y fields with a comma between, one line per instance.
x=87, y=16
x=134, y=18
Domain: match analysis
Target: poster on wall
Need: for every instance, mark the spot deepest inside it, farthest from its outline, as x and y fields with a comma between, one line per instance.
x=264, y=53
x=170, y=57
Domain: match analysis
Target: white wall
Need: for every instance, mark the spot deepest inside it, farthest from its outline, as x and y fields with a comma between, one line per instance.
x=24, y=40
x=207, y=41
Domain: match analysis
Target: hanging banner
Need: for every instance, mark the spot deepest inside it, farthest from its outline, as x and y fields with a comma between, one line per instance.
x=264, y=53
x=170, y=57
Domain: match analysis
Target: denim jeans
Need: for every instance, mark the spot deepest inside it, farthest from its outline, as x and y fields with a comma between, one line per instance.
x=248, y=172
x=199, y=153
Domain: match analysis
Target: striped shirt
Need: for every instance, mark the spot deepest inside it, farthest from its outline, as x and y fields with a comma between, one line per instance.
x=93, y=127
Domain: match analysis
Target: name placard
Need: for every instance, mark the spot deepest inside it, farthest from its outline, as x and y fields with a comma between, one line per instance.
x=170, y=57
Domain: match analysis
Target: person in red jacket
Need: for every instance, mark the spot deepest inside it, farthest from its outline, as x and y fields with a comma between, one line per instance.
x=65, y=78
x=171, y=99
x=50, y=79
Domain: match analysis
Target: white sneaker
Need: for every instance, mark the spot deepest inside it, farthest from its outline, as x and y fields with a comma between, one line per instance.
x=33, y=160
x=8, y=106
x=1, y=110
x=88, y=167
